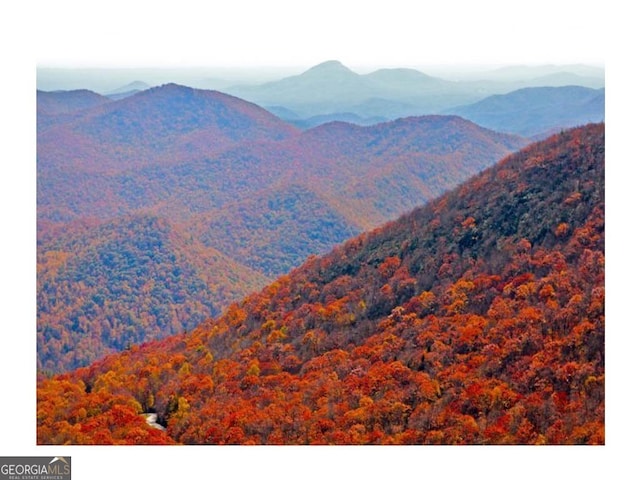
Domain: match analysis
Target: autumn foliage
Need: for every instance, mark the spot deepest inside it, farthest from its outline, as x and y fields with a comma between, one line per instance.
x=477, y=319
x=158, y=210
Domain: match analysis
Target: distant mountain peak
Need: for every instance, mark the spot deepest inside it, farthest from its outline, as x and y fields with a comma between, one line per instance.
x=130, y=87
x=405, y=72
x=329, y=67
x=172, y=86
x=178, y=90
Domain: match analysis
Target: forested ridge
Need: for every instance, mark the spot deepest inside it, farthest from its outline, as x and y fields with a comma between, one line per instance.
x=231, y=195
x=476, y=319
x=105, y=286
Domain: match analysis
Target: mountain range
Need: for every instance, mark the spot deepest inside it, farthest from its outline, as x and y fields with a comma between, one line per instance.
x=477, y=318
x=127, y=90
x=537, y=110
x=210, y=179
x=330, y=88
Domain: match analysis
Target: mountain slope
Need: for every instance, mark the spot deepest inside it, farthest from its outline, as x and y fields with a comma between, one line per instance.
x=295, y=218
x=329, y=82
x=61, y=105
x=381, y=171
x=160, y=122
x=320, y=188
x=369, y=174
x=63, y=102
x=477, y=319
x=532, y=111
x=263, y=197
x=105, y=286
x=195, y=149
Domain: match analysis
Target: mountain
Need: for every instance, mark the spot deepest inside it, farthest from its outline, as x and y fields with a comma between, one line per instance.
x=162, y=122
x=527, y=73
x=129, y=88
x=275, y=230
x=330, y=88
x=331, y=69
x=566, y=79
x=242, y=188
x=475, y=319
x=63, y=102
x=99, y=166
x=404, y=81
x=329, y=84
x=317, y=120
x=90, y=165
x=59, y=106
x=339, y=179
x=105, y=286
x=380, y=171
x=532, y=111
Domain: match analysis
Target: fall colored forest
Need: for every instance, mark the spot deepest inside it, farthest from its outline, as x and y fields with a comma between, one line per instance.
x=477, y=318
x=159, y=210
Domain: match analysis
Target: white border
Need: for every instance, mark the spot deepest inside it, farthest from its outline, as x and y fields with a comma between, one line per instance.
x=277, y=33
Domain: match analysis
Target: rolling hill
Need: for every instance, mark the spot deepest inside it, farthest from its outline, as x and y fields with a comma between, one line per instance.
x=247, y=191
x=154, y=150
x=56, y=103
x=158, y=124
x=475, y=319
x=55, y=107
x=534, y=111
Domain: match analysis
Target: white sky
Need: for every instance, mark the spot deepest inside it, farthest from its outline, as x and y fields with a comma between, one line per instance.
x=288, y=32
x=81, y=33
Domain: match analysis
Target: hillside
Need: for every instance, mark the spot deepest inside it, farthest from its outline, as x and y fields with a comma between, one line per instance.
x=245, y=190
x=56, y=107
x=178, y=151
x=380, y=171
x=155, y=125
x=276, y=230
x=534, y=111
x=105, y=286
x=476, y=319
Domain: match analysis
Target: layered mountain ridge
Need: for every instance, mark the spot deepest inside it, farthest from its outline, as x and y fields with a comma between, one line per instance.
x=532, y=111
x=331, y=89
x=476, y=319
x=229, y=179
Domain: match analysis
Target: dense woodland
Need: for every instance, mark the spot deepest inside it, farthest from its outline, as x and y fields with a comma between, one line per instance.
x=105, y=286
x=476, y=319
x=158, y=210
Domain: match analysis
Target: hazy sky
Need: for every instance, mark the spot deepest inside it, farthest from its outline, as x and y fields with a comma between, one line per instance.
x=301, y=33
x=429, y=35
